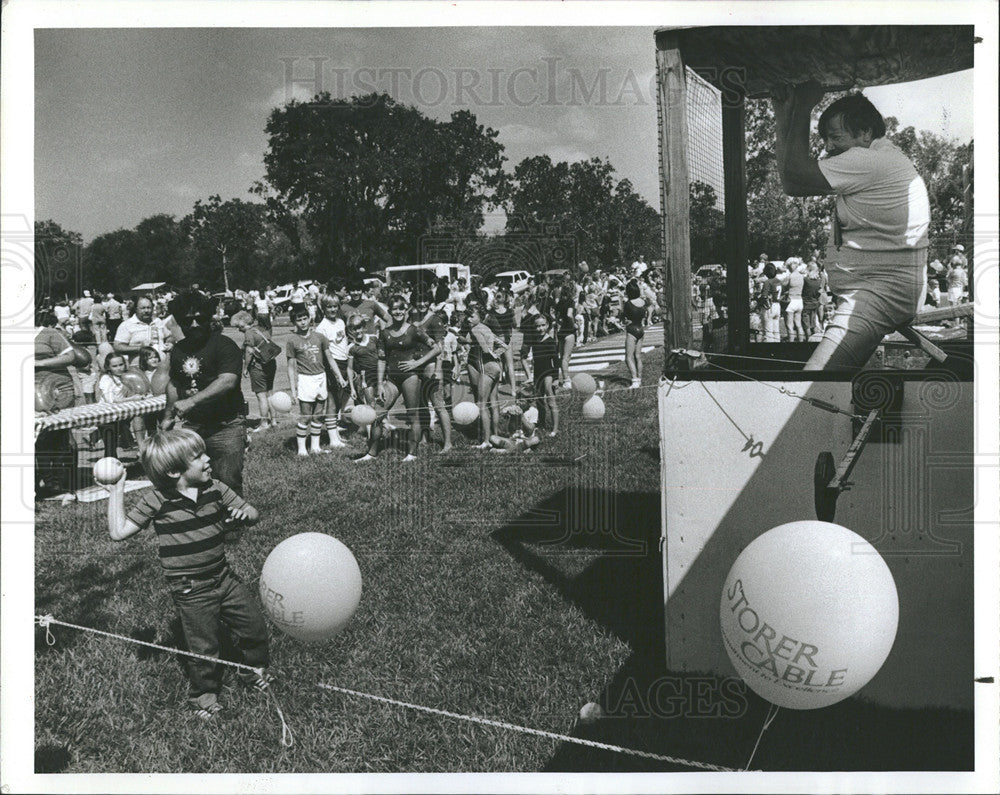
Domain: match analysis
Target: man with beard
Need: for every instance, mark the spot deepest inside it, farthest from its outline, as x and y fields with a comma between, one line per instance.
x=204, y=387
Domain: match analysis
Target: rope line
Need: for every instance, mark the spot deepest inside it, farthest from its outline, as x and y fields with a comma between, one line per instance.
x=46, y=621
x=772, y=713
x=743, y=433
x=526, y=730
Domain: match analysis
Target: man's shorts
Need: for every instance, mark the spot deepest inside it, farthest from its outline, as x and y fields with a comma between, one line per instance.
x=312, y=388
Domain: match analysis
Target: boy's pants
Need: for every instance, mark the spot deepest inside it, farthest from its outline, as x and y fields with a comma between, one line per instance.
x=203, y=604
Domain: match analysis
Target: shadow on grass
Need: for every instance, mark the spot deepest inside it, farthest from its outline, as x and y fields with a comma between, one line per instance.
x=600, y=550
x=82, y=596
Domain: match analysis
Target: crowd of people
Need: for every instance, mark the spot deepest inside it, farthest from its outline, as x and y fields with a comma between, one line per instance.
x=350, y=344
x=791, y=300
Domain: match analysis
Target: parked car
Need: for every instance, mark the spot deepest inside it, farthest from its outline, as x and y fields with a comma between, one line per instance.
x=283, y=295
x=515, y=281
x=228, y=305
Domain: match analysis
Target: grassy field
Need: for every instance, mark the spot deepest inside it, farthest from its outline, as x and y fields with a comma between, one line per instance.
x=512, y=587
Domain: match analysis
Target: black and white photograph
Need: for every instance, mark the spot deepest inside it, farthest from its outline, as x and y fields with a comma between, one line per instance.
x=577, y=397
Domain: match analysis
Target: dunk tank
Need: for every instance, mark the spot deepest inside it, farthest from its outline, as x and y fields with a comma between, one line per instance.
x=869, y=595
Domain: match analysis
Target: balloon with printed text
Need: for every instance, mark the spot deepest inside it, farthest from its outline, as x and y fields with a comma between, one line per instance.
x=808, y=614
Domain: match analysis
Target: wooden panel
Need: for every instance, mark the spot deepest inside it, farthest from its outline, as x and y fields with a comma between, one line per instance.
x=674, y=199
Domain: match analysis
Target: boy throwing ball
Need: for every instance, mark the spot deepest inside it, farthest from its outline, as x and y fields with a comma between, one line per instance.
x=187, y=509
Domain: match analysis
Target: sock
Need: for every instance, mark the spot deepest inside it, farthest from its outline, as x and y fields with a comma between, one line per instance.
x=301, y=432
x=314, y=431
x=332, y=430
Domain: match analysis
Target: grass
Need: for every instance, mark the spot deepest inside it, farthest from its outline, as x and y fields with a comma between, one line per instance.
x=512, y=587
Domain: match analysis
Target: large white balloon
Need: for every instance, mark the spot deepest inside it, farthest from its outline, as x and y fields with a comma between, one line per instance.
x=465, y=413
x=310, y=586
x=808, y=614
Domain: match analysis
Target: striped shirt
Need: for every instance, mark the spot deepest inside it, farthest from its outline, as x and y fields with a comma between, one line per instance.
x=189, y=532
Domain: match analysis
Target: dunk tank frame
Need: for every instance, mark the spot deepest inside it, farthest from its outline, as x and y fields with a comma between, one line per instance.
x=746, y=444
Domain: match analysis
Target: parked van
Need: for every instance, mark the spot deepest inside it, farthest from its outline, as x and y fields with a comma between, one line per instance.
x=409, y=276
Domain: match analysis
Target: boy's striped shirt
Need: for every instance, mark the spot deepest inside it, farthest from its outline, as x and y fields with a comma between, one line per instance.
x=189, y=532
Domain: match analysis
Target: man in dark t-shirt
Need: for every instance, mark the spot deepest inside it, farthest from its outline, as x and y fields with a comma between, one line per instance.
x=204, y=387
x=357, y=304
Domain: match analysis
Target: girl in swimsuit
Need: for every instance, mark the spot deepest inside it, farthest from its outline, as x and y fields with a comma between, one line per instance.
x=566, y=325
x=484, y=369
x=634, y=311
x=404, y=350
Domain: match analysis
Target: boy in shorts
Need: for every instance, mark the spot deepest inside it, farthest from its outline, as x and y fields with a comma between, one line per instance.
x=187, y=509
x=306, y=352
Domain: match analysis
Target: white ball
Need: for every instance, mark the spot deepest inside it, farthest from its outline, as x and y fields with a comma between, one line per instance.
x=808, y=614
x=108, y=471
x=362, y=415
x=590, y=712
x=465, y=413
x=584, y=383
x=593, y=409
x=281, y=401
x=310, y=586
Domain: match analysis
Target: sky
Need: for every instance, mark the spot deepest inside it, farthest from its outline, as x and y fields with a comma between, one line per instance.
x=132, y=122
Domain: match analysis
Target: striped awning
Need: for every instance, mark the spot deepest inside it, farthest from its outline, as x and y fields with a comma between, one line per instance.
x=98, y=414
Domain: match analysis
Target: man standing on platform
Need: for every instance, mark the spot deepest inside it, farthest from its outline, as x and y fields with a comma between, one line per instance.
x=204, y=387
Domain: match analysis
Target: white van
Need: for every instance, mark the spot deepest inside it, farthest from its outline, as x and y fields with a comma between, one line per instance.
x=411, y=275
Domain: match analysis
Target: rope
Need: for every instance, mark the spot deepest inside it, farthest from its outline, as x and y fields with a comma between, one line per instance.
x=814, y=402
x=46, y=621
x=525, y=730
x=768, y=720
x=288, y=739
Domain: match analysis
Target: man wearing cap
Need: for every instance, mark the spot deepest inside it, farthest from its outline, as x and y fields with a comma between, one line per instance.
x=877, y=254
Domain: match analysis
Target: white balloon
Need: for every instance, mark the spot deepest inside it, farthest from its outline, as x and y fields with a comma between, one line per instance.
x=593, y=408
x=310, y=586
x=808, y=614
x=281, y=401
x=465, y=413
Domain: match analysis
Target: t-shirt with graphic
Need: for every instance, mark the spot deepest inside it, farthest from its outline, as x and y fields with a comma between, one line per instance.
x=306, y=350
x=193, y=368
x=335, y=332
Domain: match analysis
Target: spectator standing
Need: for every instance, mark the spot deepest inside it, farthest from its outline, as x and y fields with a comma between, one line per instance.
x=203, y=390
x=142, y=329
x=82, y=309
x=113, y=311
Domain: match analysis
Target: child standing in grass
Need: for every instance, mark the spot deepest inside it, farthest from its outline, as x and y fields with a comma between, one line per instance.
x=186, y=509
x=305, y=351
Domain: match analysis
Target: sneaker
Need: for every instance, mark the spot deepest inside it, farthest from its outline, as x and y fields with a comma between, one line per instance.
x=365, y=457
x=258, y=682
x=209, y=713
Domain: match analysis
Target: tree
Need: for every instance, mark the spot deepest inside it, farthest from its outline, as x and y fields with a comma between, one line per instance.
x=114, y=260
x=58, y=261
x=370, y=177
x=226, y=236
x=608, y=222
x=707, y=224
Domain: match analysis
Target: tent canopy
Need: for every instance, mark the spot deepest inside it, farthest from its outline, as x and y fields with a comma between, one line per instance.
x=839, y=57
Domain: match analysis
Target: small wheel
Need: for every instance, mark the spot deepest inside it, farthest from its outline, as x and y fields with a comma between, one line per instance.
x=825, y=498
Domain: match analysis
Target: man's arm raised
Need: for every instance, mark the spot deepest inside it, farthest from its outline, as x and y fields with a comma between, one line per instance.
x=800, y=173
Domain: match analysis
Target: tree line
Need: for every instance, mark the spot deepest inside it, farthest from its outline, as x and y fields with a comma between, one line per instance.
x=353, y=185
